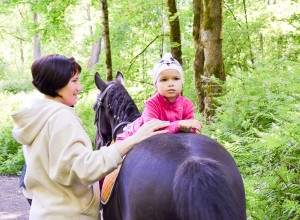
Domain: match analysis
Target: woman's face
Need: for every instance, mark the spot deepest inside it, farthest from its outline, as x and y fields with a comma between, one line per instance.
x=70, y=92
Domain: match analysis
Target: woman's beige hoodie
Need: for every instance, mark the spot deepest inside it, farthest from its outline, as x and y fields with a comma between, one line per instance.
x=62, y=168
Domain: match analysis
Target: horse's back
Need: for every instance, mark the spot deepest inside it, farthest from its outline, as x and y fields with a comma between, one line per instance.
x=159, y=172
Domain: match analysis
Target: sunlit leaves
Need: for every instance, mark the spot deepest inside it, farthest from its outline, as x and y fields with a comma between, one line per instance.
x=259, y=121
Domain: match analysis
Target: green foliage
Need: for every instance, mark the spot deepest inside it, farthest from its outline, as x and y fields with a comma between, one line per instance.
x=11, y=156
x=258, y=121
x=84, y=109
x=3, y=68
x=15, y=86
x=87, y=80
x=266, y=32
x=13, y=163
x=14, y=79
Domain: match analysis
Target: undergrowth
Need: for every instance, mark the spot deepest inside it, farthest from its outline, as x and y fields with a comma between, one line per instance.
x=258, y=122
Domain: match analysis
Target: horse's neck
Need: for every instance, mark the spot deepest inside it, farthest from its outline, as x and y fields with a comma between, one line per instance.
x=131, y=112
x=134, y=116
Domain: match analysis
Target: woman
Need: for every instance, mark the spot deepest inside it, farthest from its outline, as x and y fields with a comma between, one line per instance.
x=62, y=169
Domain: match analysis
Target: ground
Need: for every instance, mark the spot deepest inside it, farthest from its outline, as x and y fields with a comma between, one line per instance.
x=13, y=203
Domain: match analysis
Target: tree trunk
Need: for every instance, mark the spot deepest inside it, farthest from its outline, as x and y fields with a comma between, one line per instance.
x=209, y=58
x=248, y=33
x=175, y=38
x=199, y=55
x=96, y=47
x=95, y=54
x=197, y=21
x=21, y=52
x=105, y=34
x=88, y=13
x=163, y=30
x=36, y=45
x=261, y=43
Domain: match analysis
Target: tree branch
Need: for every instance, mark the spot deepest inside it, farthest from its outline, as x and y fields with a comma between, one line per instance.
x=135, y=58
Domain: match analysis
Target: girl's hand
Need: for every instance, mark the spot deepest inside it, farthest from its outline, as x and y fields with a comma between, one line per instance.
x=190, y=124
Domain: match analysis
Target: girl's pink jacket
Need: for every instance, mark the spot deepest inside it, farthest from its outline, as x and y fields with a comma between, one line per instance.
x=157, y=107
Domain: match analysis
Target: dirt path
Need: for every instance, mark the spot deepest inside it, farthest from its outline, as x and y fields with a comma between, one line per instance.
x=13, y=204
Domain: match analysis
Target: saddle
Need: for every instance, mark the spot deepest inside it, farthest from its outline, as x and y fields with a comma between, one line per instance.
x=108, y=185
x=110, y=179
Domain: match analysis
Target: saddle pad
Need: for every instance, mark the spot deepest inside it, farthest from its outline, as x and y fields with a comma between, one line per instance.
x=108, y=185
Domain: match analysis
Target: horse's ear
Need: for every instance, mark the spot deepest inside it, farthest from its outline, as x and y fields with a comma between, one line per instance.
x=120, y=78
x=99, y=82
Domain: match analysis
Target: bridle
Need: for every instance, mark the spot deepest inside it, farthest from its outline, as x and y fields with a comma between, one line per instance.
x=97, y=109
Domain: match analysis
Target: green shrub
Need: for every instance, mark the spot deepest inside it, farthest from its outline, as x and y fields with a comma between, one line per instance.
x=11, y=157
x=16, y=86
x=85, y=111
x=258, y=122
x=13, y=163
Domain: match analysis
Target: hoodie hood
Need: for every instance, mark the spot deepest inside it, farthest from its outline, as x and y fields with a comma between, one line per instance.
x=30, y=120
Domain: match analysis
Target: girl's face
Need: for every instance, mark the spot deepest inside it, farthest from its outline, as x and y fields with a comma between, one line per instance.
x=169, y=84
x=70, y=91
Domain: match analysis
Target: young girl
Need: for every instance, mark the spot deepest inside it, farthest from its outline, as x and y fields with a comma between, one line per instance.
x=167, y=104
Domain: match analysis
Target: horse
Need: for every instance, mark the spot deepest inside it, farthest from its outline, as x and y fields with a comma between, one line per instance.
x=182, y=176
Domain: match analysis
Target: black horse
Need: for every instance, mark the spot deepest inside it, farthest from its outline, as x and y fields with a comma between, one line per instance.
x=182, y=176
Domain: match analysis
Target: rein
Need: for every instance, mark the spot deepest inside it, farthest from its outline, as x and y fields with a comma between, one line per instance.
x=114, y=133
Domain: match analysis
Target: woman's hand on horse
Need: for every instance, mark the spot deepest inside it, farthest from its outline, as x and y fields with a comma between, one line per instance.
x=148, y=129
x=190, y=124
x=151, y=128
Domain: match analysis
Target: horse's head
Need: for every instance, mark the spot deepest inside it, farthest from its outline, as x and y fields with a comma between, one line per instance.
x=113, y=108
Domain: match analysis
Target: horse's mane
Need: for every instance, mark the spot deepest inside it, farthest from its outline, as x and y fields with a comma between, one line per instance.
x=122, y=105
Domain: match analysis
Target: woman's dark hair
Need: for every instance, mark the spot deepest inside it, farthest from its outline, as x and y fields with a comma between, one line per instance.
x=53, y=72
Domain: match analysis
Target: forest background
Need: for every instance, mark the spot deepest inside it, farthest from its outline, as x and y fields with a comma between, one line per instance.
x=257, y=116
